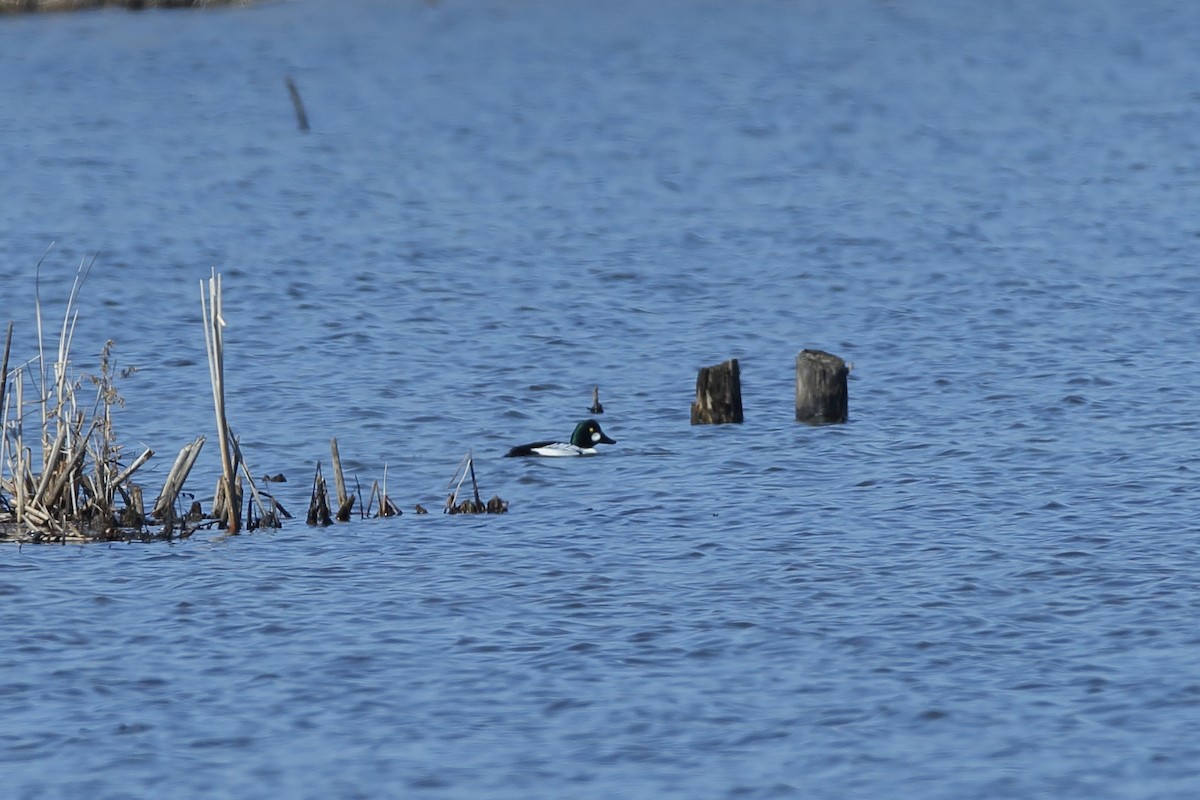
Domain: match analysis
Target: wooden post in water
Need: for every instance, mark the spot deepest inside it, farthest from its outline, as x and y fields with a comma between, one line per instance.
x=821, y=394
x=718, y=394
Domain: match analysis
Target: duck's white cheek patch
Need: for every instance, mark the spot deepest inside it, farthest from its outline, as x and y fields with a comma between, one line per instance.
x=596, y=436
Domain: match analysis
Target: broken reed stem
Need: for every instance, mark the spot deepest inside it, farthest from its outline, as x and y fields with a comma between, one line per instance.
x=339, y=480
x=50, y=461
x=51, y=496
x=345, y=501
x=134, y=504
x=173, y=485
x=132, y=468
x=219, y=511
x=238, y=504
x=318, y=506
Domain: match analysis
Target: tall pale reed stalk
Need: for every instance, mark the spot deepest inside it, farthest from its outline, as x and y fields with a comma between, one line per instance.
x=214, y=342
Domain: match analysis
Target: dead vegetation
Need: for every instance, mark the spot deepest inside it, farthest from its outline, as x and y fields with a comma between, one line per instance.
x=65, y=477
x=63, y=474
x=471, y=505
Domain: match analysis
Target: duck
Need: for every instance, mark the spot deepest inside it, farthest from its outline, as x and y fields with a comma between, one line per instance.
x=584, y=439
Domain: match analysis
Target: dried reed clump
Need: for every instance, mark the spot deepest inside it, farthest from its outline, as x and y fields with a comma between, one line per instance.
x=61, y=466
x=63, y=475
x=319, y=506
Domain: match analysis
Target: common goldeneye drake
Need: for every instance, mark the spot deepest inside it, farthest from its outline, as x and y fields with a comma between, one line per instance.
x=583, y=443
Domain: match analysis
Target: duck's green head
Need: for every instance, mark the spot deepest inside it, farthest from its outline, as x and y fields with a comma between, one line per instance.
x=588, y=434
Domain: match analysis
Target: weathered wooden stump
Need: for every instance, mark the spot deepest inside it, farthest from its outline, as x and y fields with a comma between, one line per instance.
x=821, y=394
x=718, y=394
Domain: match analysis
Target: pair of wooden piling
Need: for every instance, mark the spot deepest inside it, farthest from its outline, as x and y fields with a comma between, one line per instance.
x=822, y=397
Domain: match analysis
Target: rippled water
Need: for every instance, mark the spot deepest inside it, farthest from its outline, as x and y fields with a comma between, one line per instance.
x=984, y=585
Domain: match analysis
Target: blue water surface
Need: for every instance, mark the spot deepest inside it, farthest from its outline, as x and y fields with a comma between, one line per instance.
x=984, y=585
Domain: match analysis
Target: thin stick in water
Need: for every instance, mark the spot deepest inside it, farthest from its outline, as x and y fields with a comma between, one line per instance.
x=297, y=104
